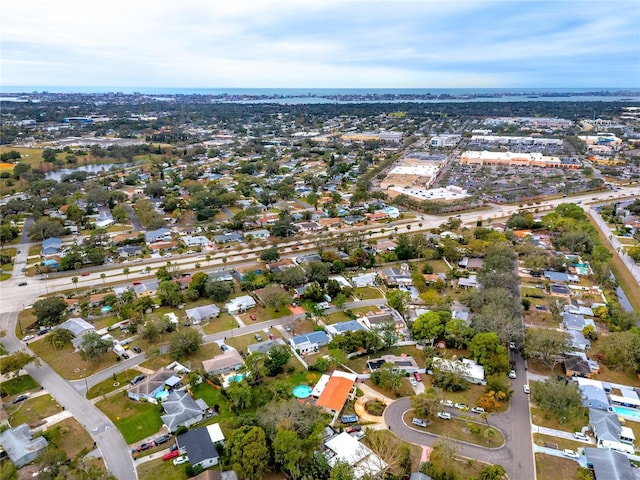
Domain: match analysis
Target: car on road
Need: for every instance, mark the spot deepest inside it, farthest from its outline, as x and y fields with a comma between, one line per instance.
x=512, y=345
x=570, y=453
x=84, y=274
x=144, y=446
x=580, y=436
x=23, y=269
x=28, y=337
x=413, y=382
x=526, y=389
x=161, y=439
x=477, y=410
x=417, y=376
x=258, y=337
x=419, y=422
x=512, y=374
x=19, y=252
x=20, y=398
x=446, y=403
x=461, y=406
x=180, y=460
x=444, y=415
x=22, y=284
x=171, y=454
x=136, y=379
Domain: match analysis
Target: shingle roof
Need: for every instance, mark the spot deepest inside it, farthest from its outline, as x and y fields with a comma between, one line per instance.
x=181, y=409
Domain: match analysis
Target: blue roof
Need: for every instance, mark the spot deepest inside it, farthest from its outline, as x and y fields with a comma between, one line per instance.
x=51, y=242
x=350, y=326
x=319, y=337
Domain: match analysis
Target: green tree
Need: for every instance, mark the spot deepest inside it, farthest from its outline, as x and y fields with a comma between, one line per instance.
x=93, y=346
x=485, y=348
x=270, y=254
x=277, y=358
x=248, y=452
x=492, y=472
x=275, y=297
x=427, y=404
x=44, y=228
x=342, y=471
x=547, y=345
x=49, y=311
x=185, y=342
x=169, y=293
x=218, y=291
x=564, y=399
x=621, y=349
x=75, y=281
x=399, y=300
x=387, y=377
x=290, y=452
x=428, y=327
x=15, y=362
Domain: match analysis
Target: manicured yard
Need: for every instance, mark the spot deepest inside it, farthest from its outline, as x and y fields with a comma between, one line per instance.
x=135, y=420
x=459, y=429
x=161, y=470
x=222, y=323
x=549, y=467
x=243, y=342
x=367, y=293
x=68, y=363
x=336, y=318
x=109, y=385
x=33, y=410
x=263, y=314
x=70, y=437
x=20, y=384
x=562, y=443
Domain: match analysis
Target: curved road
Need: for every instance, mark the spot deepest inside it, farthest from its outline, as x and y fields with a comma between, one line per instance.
x=516, y=456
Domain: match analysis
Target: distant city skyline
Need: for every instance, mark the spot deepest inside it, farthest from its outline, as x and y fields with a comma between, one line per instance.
x=327, y=44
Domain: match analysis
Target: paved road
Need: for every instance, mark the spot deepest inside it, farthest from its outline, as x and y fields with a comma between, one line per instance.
x=137, y=226
x=112, y=446
x=516, y=456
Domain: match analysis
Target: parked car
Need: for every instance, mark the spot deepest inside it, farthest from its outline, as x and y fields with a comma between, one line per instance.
x=417, y=376
x=570, y=453
x=512, y=374
x=137, y=379
x=512, y=345
x=477, y=410
x=180, y=460
x=170, y=454
x=22, y=284
x=444, y=415
x=526, y=389
x=353, y=428
x=413, y=382
x=137, y=349
x=125, y=355
x=161, y=439
x=461, y=406
x=20, y=398
x=419, y=422
x=28, y=337
x=287, y=328
x=446, y=403
x=359, y=435
x=224, y=347
x=258, y=337
x=144, y=446
x=580, y=436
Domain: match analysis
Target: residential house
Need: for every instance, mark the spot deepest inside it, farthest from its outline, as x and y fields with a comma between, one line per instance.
x=578, y=340
x=280, y=265
x=196, y=241
x=78, y=328
x=594, y=397
x=310, y=257
x=377, y=320
x=330, y=222
x=20, y=446
x=153, y=386
x=610, y=433
x=159, y=235
x=146, y=289
x=257, y=235
x=470, y=282
x=576, y=366
x=560, y=277
x=393, y=277
x=385, y=246
x=228, y=237
x=240, y=304
x=364, y=280
x=465, y=368
x=344, y=327
x=609, y=465
x=308, y=226
x=345, y=448
x=402, y=363
x=224, y=363
x=129, y=251
x=205, y=312
x=221, y=276
x=571, y=321
x=266, y=346
x=200, y=445
x=336, y=391
x=51, y=246
x=309, y=342
x=181, y=410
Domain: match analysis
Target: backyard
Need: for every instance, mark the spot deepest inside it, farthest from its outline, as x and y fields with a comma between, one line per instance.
x=135, y=420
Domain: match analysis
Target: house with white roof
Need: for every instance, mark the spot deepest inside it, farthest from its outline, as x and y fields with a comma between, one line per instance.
x=465, y=368
x=206, y=312
x=240, y=304
x=345, y=448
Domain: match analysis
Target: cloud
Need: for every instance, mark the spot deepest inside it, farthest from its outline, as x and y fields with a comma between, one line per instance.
x=304, y=43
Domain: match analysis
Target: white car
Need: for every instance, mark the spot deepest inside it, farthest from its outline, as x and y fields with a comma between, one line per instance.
x=512, y=374
x=570, y=453
x=581, y=436
x=28, y=337
x=180, y=460
x=526, y=389
x=444, y=415
x=446, y=403
x=413, y=381
x=359, y=435
x=477, y=410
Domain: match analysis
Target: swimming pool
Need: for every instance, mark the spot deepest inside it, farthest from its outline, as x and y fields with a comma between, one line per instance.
x=236, y=378
x=632, y=413
x=302, y=391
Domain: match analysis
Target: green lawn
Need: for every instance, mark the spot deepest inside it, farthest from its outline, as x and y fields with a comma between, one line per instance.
x=161, y=470
x=336, y=318
x=550, y=467
x=135, y=420
x=21, y=384
x=367, y=293
x=70, y=437
x=222, y=323
x=4, y=276
x=33, y=410
x=109, y=385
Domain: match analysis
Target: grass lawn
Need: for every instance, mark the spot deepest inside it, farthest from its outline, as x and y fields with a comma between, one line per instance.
x=624, y=376
x=336, y=318
x=220, y=324
x=458, y=429
x=68, y=363
x=562, y=443
x=161, y=470
x=4, y=276
x=367, y=293
x=549, y=467
x=20, y=384
x=135, y=420
x=35, y=250
x=107, y=386
x=157, y=362
x=70, y=437
x=263, y=314
x=546, y=419
x=213, y=396
x=33, y=410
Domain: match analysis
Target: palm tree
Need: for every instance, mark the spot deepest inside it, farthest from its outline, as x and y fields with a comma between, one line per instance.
x=126, y=272
x=75, y=282
x=103, y=276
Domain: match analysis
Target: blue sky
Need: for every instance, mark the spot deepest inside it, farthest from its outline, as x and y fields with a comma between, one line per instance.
x=321, y=43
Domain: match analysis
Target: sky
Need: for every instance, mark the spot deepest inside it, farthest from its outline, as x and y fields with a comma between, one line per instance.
x=321, y=43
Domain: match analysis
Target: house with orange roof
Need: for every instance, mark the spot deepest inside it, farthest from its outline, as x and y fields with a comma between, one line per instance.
x=337, y=390
x=377, y=216
x=330, y=222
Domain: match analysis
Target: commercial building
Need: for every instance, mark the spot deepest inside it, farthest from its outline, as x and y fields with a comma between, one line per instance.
x=533, y=159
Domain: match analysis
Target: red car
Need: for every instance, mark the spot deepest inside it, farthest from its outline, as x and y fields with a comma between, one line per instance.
x=418, y=376
x=85, y=274
x=170, y=455
x=252, y=317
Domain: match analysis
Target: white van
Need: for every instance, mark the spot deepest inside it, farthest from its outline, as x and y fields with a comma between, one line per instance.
x=419, y=422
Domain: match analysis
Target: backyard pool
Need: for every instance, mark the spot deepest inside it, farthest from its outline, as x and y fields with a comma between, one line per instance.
x=302, y=391
x=236, y=378
x=631, y=413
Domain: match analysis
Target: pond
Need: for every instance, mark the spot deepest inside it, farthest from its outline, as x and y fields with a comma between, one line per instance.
x=91, y=169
